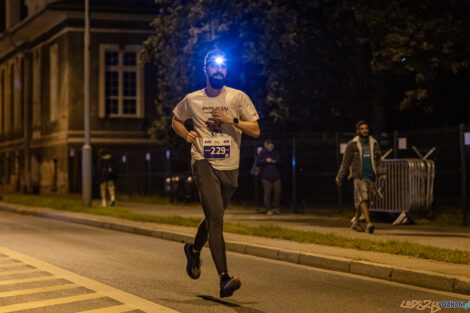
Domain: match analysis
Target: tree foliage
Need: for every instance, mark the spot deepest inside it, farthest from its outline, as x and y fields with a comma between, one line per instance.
x=315, y=64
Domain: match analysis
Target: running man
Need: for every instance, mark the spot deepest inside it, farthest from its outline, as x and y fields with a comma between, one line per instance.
x=220, y=115
x=362, y=159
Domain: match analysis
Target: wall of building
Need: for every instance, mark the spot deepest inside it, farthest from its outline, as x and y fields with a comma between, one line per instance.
x=43, y=86
x=49, y=169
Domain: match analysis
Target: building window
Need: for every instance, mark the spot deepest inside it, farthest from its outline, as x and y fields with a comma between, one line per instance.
x=121, y=82
x=2, y=99
x=23, y=10
x=36, y=87
x=54, y=82
x=3, y=15
x=7, y=98
x=17, y=95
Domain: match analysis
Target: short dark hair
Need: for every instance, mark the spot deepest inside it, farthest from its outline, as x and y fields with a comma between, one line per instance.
x=360, y=123
x=213, y=53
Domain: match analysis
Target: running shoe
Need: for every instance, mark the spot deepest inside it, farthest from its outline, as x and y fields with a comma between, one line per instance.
x=269, y=212
x=193, y=267
x=357, y=227
x=370, y=228
x=228, y=285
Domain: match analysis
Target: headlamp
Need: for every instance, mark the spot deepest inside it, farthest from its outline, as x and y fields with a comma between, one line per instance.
x=216, y=57
x=219, y=60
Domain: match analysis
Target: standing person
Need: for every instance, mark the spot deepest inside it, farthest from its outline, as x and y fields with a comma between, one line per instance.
x=362, y=159
x=220, y=115
x=107, y=178
x=269, y=162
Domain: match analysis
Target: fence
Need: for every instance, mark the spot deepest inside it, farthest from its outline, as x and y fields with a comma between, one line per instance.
x=309, y=166
x=408, y=188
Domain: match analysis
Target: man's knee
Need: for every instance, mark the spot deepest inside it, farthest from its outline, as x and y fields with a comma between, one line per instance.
x=231, y=185
x=215, y=222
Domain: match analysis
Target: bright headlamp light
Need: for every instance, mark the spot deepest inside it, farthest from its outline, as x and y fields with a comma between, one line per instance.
x=219, y=60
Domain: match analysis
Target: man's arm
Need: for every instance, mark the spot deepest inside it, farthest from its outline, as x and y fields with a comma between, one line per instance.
x=180, y=129
x=345, y=164
x=249, y=128
x=261, y=158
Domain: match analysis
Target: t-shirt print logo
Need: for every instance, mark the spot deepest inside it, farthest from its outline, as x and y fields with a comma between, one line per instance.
x=208, y=110
x=214, y=128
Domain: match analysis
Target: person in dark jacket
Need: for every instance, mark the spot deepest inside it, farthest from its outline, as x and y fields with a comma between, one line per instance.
x=107, y=178
x=269, y=162
x=362, y=159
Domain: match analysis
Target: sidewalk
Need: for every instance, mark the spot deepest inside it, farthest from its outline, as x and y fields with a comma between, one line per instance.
x=419, y=272
x=450, y=238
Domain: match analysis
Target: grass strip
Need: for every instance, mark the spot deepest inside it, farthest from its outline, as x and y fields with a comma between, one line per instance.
x=268, y=231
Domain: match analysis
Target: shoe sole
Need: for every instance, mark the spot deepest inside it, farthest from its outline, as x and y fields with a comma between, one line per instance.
x=189, y=271
x=230, y=287
x=371, y=229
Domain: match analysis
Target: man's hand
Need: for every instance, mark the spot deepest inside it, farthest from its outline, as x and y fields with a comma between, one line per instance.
x=269, y=160
x=218, y=115
x=339, y=181
x=191, y=136
x=383, y=177
x=212, y=125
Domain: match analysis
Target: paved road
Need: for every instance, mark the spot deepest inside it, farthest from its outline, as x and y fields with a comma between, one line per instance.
x=153, y=269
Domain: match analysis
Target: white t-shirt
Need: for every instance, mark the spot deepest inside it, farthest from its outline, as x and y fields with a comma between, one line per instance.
x=222, y=146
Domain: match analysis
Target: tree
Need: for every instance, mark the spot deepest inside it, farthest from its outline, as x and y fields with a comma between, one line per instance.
x=415, y=47
x=317, y=64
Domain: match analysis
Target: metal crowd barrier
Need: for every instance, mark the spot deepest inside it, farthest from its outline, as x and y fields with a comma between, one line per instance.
x=409, y=187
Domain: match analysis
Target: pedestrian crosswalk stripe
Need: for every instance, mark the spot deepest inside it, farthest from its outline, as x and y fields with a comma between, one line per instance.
x=6, y=265
x=43, y=303
x=99, y=290
x=25, y=280
x=24, y=271
x=22, y=292
x=111, y=309
x=7, y=261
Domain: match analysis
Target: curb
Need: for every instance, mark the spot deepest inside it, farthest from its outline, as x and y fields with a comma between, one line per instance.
x=424, y=279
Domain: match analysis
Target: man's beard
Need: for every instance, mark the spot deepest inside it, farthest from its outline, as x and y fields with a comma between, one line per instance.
x=365, y=137
x=217, y=83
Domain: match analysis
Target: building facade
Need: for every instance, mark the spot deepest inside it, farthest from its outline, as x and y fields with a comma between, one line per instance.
x=41, y=89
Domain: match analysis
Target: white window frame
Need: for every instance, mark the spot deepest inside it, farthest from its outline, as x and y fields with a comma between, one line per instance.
x=120, y=68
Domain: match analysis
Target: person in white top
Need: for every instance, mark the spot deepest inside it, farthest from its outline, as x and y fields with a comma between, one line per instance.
x=220, y=115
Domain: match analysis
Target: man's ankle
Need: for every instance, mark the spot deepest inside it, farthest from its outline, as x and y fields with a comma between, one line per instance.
x=223, y=276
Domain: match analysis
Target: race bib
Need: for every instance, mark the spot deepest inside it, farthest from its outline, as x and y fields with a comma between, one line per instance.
x=216, y=148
